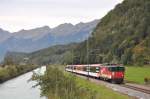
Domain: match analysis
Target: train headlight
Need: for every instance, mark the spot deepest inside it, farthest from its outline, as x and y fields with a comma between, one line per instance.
x=110, y=77
x=113, y=73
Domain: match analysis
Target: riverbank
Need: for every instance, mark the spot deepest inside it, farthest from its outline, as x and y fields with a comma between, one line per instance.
x=11, y=71
x=21, y=88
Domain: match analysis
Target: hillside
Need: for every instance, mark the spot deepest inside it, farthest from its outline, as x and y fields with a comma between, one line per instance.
x=122, y=36
x=59, y=54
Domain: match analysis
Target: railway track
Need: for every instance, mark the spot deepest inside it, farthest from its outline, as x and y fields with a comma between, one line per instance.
x=136, y=92
x=122, y=85
x=136, y=88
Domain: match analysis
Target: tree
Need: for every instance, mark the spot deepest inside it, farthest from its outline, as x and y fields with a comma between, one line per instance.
x=8, y=61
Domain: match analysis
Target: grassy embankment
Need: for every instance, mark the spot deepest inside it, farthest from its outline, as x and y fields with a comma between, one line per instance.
x=11, y=71
x=56, y=84
x=102, y=91
x=137, y=74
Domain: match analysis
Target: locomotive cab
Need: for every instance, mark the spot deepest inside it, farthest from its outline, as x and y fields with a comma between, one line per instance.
x=117, y=73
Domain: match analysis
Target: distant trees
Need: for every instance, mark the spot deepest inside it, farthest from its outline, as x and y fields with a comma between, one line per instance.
x=8, y=61
x=68, y=58
x=10, y=69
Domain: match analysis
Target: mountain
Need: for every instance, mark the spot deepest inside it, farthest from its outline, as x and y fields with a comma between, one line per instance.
x=122, y=36
x=33, y=33
x=43, y=37
x=4, y=35
x=69, y=29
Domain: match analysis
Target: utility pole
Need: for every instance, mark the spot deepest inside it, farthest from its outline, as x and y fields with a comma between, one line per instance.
x=88, y=67
x=72, y=60
x=88, y=54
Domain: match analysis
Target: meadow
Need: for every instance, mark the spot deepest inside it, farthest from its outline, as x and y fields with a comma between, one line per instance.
x=136, y=74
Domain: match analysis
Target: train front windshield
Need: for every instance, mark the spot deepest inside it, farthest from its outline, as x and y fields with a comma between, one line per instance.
x=114, y=69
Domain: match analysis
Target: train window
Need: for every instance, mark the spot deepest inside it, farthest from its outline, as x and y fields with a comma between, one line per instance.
x=116, y=68
x=97, y=68
x=84, y=68
x=92, y=69
x=87, y=68
x=121, y=69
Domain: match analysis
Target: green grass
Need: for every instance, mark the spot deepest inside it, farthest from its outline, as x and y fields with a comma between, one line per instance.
x=102, y=91
x=137, y=74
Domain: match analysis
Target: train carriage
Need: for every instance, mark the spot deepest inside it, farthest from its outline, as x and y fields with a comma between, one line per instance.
x=110, y=72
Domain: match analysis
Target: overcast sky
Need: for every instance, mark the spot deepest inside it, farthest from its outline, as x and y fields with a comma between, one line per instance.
x=27, y=14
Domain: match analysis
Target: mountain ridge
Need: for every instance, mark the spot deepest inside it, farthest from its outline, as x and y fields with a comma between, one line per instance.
x=43, y=37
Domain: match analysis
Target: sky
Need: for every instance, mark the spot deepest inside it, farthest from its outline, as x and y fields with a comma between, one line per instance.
x=27, y=14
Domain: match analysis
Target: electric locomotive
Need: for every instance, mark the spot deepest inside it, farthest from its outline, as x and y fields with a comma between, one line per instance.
x=110, y=72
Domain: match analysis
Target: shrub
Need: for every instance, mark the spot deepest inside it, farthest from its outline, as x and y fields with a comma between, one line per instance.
x=57, y=85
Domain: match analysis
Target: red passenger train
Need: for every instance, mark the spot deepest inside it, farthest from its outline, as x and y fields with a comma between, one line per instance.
x=110, y=72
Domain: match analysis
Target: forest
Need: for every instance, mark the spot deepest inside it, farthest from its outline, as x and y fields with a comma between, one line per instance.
x=122, y=36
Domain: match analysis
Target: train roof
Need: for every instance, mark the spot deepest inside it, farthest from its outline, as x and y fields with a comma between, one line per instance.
x=86, y=65
x=100, y=65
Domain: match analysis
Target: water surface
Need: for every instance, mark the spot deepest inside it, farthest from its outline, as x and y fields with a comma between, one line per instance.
x=20, y=88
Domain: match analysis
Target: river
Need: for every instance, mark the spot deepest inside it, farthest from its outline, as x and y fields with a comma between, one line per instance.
x=21, y=88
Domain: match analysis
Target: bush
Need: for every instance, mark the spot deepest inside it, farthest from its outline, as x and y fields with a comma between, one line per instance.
x=147, y=80
x=57, y=85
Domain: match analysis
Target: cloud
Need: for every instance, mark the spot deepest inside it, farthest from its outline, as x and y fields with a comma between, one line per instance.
x=27, y=14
